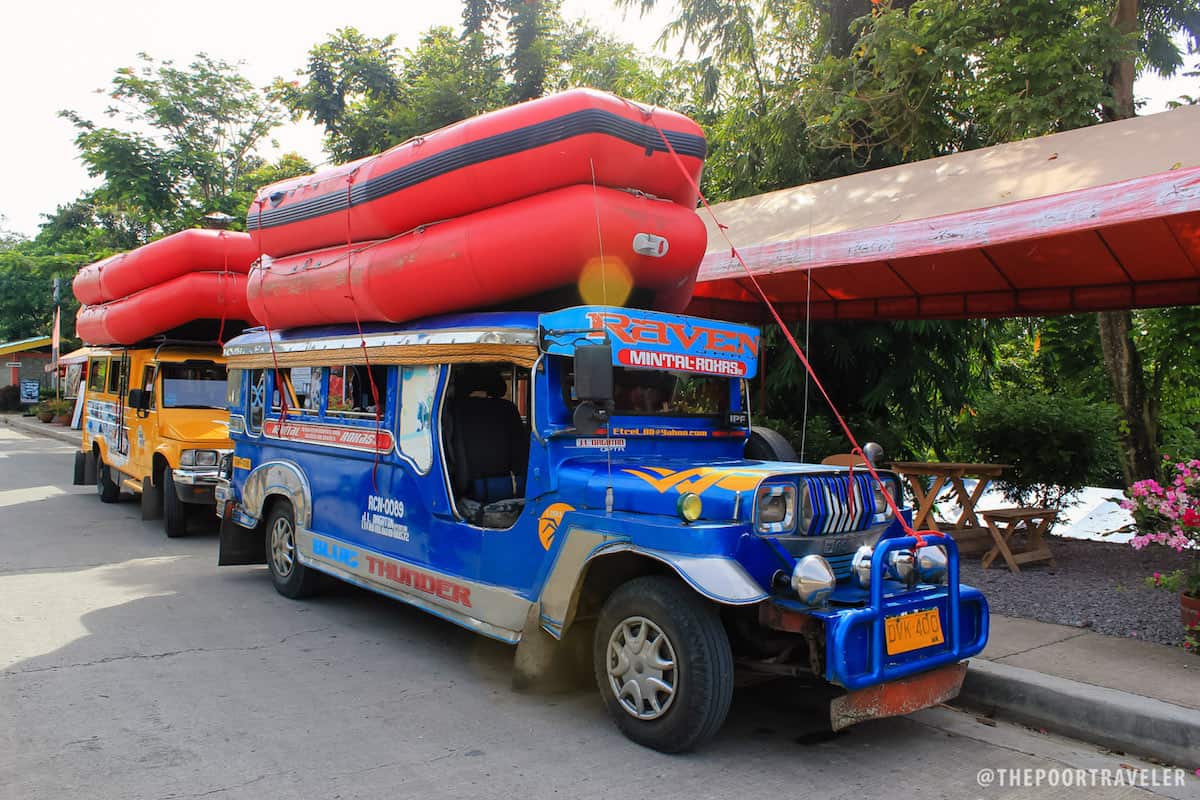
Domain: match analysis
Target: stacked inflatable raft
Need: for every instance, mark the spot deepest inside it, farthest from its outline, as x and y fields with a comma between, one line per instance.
x=573, y=197
x=190, y=284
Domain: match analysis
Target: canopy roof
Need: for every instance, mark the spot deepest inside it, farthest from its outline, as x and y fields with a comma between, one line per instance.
x=1099, y=218
x=22, y=345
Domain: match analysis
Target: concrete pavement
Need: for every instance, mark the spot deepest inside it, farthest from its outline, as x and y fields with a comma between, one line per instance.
x=131, y=667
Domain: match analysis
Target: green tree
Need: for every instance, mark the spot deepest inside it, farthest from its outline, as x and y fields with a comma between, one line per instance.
x=368, y=96
x=188, y=138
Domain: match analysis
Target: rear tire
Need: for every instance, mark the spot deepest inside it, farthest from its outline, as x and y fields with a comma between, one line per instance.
x=106, y=487
x=152, y=499
x=663, y=664
x=291, y=578
x=174, y=509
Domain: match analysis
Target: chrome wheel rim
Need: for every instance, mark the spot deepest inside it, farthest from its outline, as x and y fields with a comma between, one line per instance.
x=283, y=547
x=642, y=669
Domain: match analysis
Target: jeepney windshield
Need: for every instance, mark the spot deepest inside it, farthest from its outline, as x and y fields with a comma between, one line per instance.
x=643, y=392
x=193, y=384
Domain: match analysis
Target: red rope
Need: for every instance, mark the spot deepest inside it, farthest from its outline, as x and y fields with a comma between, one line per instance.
x=362, y=340
x=224, y=278
x=262, y=274
x=856, y=449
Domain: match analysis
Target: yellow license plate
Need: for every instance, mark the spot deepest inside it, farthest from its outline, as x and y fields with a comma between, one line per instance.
x=913, y=631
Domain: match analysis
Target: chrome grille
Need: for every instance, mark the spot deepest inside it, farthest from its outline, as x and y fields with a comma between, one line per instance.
x=829, y=495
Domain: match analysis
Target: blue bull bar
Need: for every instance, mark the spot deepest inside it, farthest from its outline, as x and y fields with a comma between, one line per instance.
x=855, y=660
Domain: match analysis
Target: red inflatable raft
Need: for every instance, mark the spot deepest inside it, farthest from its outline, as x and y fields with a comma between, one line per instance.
x=170, y=257
x=543, y=250
x=570, y=138
x=218, y=298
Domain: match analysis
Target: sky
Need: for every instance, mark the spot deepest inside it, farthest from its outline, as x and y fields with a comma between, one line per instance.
x=56, y=55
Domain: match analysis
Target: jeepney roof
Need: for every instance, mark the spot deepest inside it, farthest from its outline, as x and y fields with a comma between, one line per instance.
x=481, y=336
x=164, y=353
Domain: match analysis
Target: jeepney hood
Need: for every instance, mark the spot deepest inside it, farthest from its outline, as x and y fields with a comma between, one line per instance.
x=200, y=425
x=653, y=486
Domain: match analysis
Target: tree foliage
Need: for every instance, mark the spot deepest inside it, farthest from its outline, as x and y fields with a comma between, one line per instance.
x=187, y=139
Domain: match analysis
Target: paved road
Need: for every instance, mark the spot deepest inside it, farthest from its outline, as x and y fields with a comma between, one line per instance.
x=131, y=667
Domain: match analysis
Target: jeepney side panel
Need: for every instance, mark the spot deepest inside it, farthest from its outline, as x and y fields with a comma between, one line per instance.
x=101, y=413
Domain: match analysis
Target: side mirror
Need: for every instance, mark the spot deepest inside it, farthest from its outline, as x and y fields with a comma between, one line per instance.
x=139, y=399
x=590, y=418
x=594, y=373
x=873, y=452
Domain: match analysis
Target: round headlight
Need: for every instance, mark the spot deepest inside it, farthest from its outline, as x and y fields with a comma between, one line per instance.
x=860, y=566
x=689, y=506
x=813, y=580
x=901, y=565
x=881, y=503
x=931, y=564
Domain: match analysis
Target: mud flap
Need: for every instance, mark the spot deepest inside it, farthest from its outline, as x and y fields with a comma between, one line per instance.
x=897, y=698
x=240, y=545
x=545, y=665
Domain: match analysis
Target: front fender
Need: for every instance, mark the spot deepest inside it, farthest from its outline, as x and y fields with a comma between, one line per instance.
x=718, y=578
x=278, y=478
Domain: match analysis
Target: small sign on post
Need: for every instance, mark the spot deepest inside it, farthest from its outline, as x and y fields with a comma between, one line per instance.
x=29, y=391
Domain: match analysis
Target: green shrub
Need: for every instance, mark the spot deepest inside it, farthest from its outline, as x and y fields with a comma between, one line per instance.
x=1055, y=445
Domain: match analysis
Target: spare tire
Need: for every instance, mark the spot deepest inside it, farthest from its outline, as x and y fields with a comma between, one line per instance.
x=766, y=444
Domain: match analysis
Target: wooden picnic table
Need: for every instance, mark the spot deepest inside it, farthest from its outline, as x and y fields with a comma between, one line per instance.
x=942, y=473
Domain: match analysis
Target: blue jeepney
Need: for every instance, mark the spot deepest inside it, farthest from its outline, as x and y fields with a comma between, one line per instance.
x=587, y=482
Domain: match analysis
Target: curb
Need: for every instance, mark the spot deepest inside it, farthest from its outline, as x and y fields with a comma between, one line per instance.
x=1114, y=719
x=50, y=431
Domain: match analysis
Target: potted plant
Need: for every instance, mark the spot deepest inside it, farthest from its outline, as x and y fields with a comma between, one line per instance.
x=44, y=412
x=62, y=411
x=1168, y=514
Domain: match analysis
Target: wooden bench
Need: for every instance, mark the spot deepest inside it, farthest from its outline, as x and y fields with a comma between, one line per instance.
x=1004, y=523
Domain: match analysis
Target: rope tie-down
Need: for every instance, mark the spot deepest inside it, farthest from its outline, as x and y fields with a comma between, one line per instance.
x=856, y=449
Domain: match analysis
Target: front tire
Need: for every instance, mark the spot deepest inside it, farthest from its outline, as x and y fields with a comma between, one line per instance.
x=174, y=509
x=106, y=487
x=291, y=578
x=663, y=664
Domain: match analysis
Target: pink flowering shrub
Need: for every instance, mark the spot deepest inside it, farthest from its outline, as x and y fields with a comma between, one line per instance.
x=1169, y=514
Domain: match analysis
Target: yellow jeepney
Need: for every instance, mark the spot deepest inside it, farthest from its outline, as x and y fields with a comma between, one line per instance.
x=155, y=425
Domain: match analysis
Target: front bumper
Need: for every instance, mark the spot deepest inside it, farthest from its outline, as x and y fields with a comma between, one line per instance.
x=855, y=646
x=195, y=484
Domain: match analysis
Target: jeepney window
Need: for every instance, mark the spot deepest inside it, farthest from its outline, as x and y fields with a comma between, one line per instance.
x=654, y=392
x=193, y=384
x=233, y=388
x=302, y=388
x=116, y=373
x=418, y=385
x=351, y=393
x=258, y=400
x=98, y=375
x=282, y=385
x=148, y=382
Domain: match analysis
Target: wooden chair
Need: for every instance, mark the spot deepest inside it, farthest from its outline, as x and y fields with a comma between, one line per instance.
x=844, y=460
x=1004, y=523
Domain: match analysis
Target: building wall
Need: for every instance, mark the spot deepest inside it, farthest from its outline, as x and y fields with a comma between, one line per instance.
x=33, y=367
